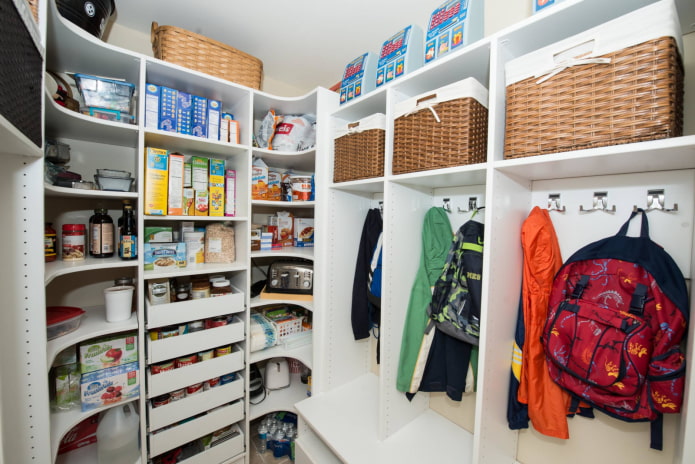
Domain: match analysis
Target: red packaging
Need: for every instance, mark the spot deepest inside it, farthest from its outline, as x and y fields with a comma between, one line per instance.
x=223, y=350
x=83, y=434
x=177, y=394
x=215, y=322
x=193, y=389
x=162, y=367
x=212, y=383
x=186, y=360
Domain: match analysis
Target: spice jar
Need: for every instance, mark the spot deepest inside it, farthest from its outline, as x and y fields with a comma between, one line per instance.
x=220, y=287
x=50, y=244
x=182, y=293
x=200, y=289
x=73, y=240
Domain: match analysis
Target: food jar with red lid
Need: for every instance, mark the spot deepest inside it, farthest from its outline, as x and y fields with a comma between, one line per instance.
x=73, y=242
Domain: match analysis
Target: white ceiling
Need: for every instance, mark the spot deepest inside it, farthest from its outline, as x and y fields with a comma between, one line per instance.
x=302, y=43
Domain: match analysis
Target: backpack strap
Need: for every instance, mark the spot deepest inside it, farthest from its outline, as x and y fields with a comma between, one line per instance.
x=580, y=287
x=639, y=297
x=657, y=432
x=644, y=230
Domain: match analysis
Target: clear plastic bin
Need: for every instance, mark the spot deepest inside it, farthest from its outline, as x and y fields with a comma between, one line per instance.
x=105, y=93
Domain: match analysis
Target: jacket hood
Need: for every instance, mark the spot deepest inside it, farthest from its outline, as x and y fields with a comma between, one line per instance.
x=437, y=236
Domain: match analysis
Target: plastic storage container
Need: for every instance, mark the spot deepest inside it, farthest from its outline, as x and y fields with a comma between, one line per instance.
x=61, y=320
x=105, y=93
x=117, y=436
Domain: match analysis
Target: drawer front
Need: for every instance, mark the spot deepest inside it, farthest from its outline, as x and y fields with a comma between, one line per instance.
x=193, y=310
x=222, y=452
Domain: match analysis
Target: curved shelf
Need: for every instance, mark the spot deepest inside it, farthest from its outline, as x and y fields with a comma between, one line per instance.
x=84, y=455
x=289, y=252
x=65, y=123
x=280, y=400
x=58, y=268
x=92, y=325
x=66, y=192
x=190, y=144
x=195, y=218
x=302, y=353
x=258, y=302
x=63, y=421
x=205, y=268
x=284, y=204
x=15, y=142
x=300, y=160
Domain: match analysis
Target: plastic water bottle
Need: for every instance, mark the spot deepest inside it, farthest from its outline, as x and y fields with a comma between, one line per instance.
x=263, y=438
x=117, y=436
x=280, y=444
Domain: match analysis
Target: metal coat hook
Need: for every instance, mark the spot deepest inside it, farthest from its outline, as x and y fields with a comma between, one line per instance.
x=600, y=203
x=655, y=200
x=472, y=205
x=446, y=206
x=554, y=203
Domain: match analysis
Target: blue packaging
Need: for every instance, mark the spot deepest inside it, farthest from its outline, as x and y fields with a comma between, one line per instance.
x=454, y=24
x=400, y=54
x=539, y=5
x=213, y=119
x=152, y=96
x=359, y=77
x=167, y=109
x=199, y=116
x=183, y=113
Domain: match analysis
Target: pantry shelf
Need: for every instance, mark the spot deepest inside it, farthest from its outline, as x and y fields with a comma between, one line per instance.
x=258, y=302
x=67, y=192
x=302, y=353
x=203, y=268
x=189, y=144
x=299, y=161
x=278, y=400
x=58, y=268
x=83, y=455
x=284, y=204
x=92, y=325
x=196, y=218
x=16, y=143
x=63, y=421
x=289, y=252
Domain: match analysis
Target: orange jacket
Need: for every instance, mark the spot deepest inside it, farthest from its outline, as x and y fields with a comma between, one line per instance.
x=548, y=405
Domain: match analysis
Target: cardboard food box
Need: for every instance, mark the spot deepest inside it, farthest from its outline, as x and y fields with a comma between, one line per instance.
x=259, y=180
x=183, y=113
x=105, y=352
x=199, y=181
x=175, y=194
x=199, y=115
x=158, y=234
x=156, y=181
x=159, y=256
x=285, y=228
x=109, y=386
x=274, y=185
x=153, y=95
x=213, y=119
x=188, y=201
x=230, y=193
x=83, y=434
x=216, y=188
x=303, y=232
x=168, y=100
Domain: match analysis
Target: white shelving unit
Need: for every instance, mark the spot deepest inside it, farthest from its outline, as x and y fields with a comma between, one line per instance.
x=347, y=391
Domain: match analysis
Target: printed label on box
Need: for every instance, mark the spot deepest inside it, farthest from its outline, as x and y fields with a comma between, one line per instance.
x=399, y=54
x=164, y=256
x=156, y=181
x=152, y=97
x=216, y=187
x=175, y=199
x=109, y=386
x=183, y=113
x=167, y=109
x=213, y=119
x=199, y=115
x=230, y=193
x=105, y=352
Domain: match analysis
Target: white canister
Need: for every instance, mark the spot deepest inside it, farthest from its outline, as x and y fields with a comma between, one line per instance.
x=119, y=302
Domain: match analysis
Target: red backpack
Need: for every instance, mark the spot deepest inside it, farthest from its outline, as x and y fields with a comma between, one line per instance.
x=617, y=313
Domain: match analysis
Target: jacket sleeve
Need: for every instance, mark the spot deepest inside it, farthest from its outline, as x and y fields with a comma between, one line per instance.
x=361, y=323
x=517, y=412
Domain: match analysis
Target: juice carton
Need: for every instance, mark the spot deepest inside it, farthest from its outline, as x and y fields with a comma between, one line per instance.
x=156, y=181
x=216, y=187
x=167, y=109
x=175, y=185
x=153, y=94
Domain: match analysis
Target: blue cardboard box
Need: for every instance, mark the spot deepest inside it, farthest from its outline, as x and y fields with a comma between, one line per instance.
x=199, y=116
x=167, y=109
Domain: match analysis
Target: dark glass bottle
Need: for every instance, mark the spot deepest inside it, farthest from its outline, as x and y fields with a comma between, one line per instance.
x=101, y=234
x=128, y=243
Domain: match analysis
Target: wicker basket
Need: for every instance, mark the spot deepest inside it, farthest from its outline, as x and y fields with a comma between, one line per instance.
x=359, y=150
x=194, y=51
x=459, y=137
x=638, y=96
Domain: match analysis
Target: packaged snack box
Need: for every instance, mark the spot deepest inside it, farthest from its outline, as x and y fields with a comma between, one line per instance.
x=106, y=352
x=109, y=386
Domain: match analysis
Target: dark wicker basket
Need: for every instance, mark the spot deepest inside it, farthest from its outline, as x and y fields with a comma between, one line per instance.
x=638, y=96
x=420, y=143
x=359, y=155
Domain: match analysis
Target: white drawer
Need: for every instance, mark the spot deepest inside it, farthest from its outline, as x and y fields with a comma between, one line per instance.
x=181, y=434
x=173, y=347
x=192, y=405
x=193, y=310
x=222, y=452
x=164, y=382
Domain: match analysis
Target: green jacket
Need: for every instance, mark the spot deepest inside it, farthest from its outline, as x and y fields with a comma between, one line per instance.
x=436, y=241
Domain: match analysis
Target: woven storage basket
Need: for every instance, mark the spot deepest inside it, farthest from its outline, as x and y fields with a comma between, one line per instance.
x=359, y=149
x=442, y=129
x=194, y=51
x=636, y=96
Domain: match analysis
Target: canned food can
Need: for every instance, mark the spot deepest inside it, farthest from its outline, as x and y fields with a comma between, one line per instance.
x=301, y=188
x=161, y=400
x=186, y=360
x=167, y=332
x=196, y=326
x=215, y=322
x=195, y=388
x=206, y=355
x=162, y=367
x=212, y=383
x=223, y=350
x=177, y=394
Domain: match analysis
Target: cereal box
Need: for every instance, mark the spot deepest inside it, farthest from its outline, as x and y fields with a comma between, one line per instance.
x=199, y=115
x=188, y=201
x=303, y=232
x=216, y=187
x=167, y=109
x=213, y=119
x=400, y=54
x=164, y=256
x=152, y=97
x=259, y=180
x=156, y=181
x=183, y=113
x=453, y=25
x=274, y=185
x=201, y=203
x=538, y=5
x=359, y=77
x=175, y=199
x=199, y=175
x=109, y=386
x=230, y=193
x=105, y=352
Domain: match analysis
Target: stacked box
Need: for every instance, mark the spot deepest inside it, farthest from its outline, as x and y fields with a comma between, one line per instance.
x=175, y=194
x=213, y=119
x=111, y=351
x=167, y=109
x=152, y=98
x=216, y=186
x=156, y=181
x=199, y=115
x=199, y=182
x=109, y=386
x=183, y=113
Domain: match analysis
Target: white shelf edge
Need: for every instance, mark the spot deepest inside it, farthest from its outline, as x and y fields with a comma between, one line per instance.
x=15, y=142
x=205, y=268
x=67, y=192
x=302, y=353
x=196, y=218
x=59, y=268
x=258, y=302
x=290, y=252
x=280, y=400
x=284, y=204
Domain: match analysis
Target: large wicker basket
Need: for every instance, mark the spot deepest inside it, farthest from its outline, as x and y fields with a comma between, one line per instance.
x=359, y=150
x=450, y=133
x=197, y=52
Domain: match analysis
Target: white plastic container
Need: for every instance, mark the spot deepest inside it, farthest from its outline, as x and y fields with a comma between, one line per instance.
x=117, y=436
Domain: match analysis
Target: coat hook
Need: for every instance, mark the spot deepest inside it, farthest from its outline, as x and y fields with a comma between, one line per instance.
x=554, y=203
x=472, y=205
x=600, y=203
x=655, y=200
x=446, y=205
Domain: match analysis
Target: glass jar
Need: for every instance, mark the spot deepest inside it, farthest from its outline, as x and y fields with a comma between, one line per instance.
x=101, y=234
x=200, y=289
x=220, y=287
x=73, y=242
x=182, y=292
x=50, y=243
